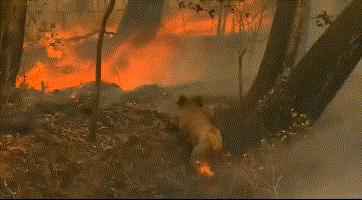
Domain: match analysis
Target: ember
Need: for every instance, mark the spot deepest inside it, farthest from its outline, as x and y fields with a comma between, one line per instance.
x=205, y=169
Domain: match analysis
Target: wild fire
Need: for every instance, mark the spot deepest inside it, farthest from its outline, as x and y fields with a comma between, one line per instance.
x=126, y=65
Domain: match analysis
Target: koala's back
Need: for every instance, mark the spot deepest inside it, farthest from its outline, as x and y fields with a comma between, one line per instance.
x=198, y=124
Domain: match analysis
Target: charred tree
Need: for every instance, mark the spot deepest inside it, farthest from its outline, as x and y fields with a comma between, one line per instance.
x=304, y=28
x=142, y=19
x=298, y=34
x=94, y=118
x=310, y=86
x=240, y=62
x=12, y=25
x=280, y=51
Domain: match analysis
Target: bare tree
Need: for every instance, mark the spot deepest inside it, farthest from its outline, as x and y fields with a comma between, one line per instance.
x=94, y=118
x=240, y=74
x=315, y=80
x=280, y=51
x=12, y=23
x=304, y=28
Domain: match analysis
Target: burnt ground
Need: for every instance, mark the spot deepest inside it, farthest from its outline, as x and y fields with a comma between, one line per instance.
x=44, y=151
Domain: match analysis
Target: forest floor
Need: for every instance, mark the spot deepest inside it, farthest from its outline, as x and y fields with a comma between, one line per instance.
x=45, y=152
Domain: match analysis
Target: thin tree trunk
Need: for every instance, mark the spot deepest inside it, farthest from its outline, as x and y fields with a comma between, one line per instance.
x=314, y=82
x=12, y=22
x=240, y=62
x=224, y=19
x=20, y=21
x=94, y=118
x=220, y=17
x=279, y=53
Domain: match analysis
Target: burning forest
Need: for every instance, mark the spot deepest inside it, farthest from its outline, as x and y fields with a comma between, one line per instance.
x=180, y=98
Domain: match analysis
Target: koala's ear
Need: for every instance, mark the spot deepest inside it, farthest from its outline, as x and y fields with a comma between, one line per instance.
x=198, y=101
x=182, y=100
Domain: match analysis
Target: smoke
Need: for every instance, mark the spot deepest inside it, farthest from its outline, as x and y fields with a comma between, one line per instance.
x=329, y=163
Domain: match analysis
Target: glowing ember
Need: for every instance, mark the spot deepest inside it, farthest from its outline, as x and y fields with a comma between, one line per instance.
x=205, y=169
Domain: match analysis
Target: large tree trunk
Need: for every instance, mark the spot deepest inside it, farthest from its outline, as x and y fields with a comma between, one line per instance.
x=280, y=52
x=94, y=118
x=297, y=34
x=12, y=23
x=142, y=19
x=313, y=83
x=304, y=28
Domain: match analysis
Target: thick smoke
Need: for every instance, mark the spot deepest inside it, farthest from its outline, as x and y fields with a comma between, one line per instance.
x=329, y=163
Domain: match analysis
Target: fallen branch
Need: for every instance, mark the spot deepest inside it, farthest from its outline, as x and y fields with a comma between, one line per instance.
x=88, y=35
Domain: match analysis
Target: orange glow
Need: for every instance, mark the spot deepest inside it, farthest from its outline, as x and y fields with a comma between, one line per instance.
x=146, y=65
x=127, y=66
x=205, y=169
x=185, y=24
x=54, y=53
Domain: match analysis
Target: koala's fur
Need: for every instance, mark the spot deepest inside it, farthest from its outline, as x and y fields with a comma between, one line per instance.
x=195, y=120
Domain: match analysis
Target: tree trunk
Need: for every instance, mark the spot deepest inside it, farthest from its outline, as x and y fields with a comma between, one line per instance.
x=12, y=23
x=221, y=17
x=280, y=52
x=142, y=19
x=298, y=30
x=82, y=6
x=93, y=122
x=305, y=29
x=224, y=18
x=314, y=82
x=240, y=62
x=20, y=21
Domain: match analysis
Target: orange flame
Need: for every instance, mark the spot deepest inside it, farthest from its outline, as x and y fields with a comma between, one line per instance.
x=205, y=169
x=127, y=66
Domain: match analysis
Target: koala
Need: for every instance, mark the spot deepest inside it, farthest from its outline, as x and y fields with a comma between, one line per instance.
x=196, y=122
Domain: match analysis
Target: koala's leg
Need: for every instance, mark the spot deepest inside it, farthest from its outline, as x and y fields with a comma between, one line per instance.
x=199, y=153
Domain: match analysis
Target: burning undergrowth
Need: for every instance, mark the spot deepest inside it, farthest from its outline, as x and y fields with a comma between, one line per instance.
x=139, y=152
x=143, y=66
x=69, y=62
